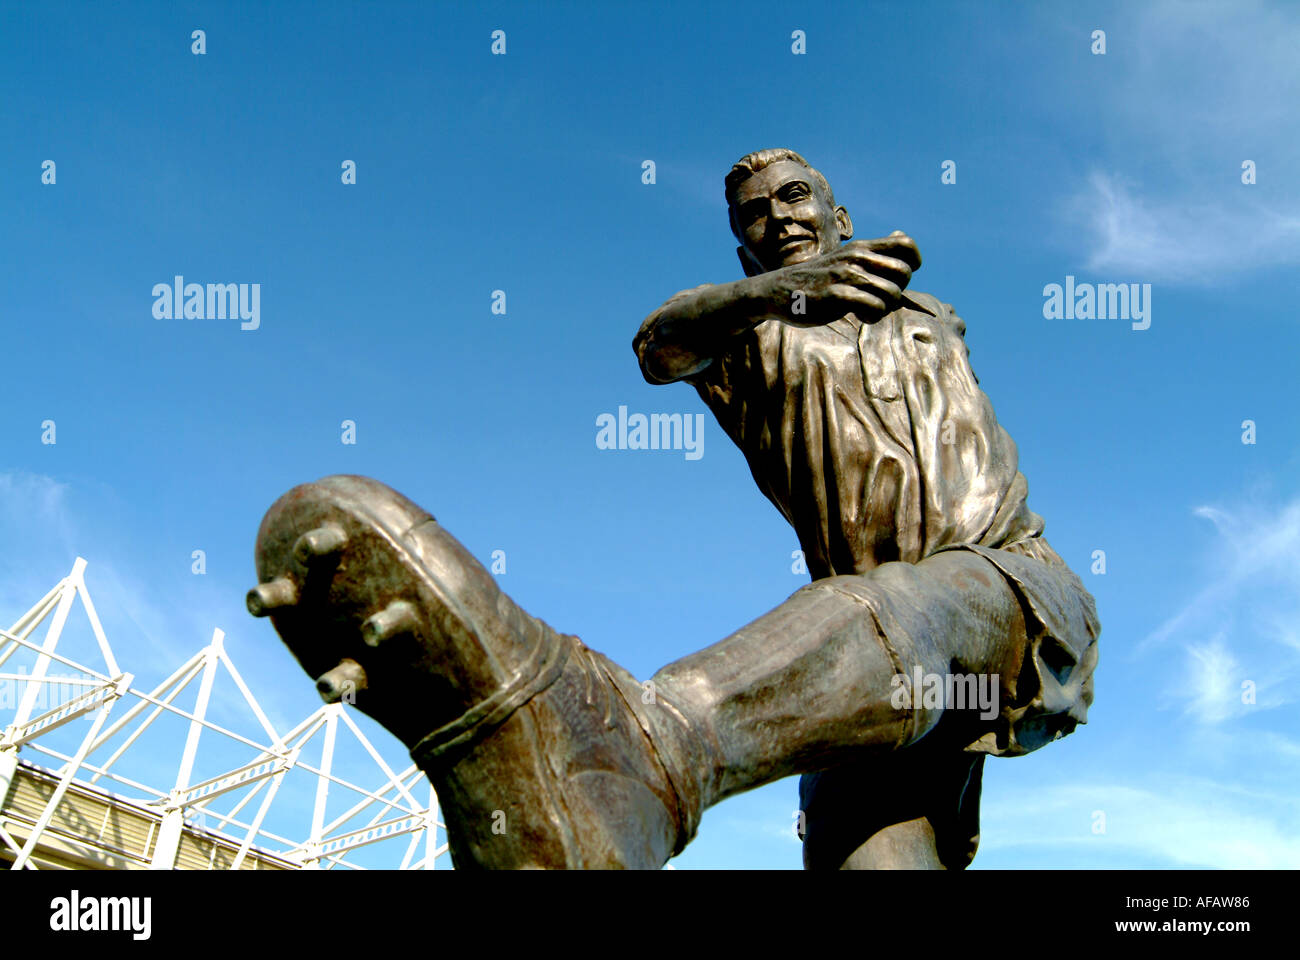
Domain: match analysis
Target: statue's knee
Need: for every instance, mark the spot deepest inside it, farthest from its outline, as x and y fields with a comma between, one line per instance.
x=849, y=587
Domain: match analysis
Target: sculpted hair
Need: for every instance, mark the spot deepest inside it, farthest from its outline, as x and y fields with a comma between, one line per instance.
x=751, y=163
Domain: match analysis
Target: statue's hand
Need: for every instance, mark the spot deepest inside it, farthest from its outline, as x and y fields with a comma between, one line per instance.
x=865, y=277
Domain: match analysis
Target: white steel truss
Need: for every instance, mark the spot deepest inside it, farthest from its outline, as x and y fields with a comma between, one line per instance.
x=172, y=817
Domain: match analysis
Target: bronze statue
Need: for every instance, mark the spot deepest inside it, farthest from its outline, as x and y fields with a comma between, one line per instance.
x=857, y=410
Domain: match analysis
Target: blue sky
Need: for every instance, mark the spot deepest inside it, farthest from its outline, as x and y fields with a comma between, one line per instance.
x=523, y=173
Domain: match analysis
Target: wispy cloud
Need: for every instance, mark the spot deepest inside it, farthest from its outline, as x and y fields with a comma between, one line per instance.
x=1178, y=237
x=1254, y=554
x=1198, y=89
x=1251, y=662
x=1167, y=821
x=1212, y=691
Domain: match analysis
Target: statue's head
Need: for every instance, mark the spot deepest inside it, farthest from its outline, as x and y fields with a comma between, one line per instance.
x=782, y=211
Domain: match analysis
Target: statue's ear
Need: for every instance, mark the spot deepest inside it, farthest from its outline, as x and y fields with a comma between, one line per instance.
x=751, y=266
x=845, y=224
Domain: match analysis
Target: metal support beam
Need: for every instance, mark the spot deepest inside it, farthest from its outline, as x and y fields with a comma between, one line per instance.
x=387, y=812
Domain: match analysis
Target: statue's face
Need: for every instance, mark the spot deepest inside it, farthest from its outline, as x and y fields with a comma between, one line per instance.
x=784, y=216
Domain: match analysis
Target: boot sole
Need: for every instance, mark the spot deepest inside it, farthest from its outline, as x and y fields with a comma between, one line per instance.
x=363, y=586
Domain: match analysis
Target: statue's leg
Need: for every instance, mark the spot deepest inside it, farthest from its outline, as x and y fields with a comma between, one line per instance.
x=916, y=809
x=545, y=753
x=811, y=685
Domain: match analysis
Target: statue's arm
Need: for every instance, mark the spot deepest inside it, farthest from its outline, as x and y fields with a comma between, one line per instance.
x=683, y=336
x=865, y=277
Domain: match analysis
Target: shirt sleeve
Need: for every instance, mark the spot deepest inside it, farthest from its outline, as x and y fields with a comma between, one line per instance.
x=643, y=342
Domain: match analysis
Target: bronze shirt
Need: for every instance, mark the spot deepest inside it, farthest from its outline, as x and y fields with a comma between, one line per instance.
x=874, y=440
